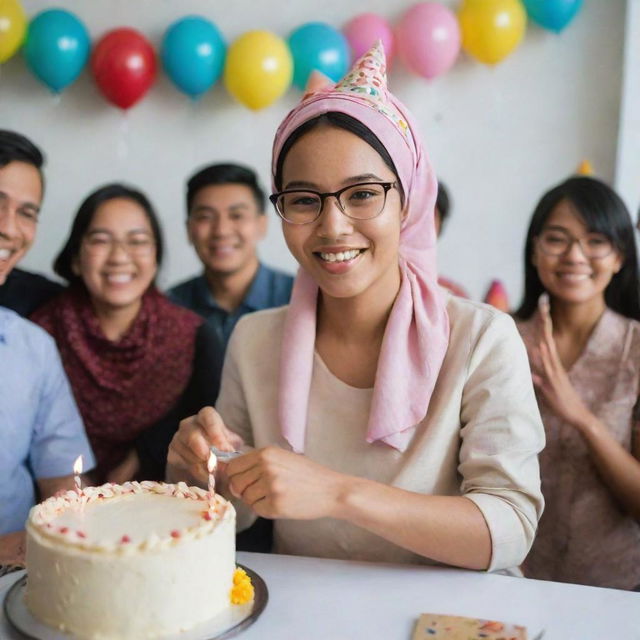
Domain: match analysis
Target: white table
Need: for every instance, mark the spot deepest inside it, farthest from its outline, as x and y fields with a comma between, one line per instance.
x=311, y=599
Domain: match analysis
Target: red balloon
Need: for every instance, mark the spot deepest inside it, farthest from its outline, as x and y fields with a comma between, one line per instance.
x=123, y=64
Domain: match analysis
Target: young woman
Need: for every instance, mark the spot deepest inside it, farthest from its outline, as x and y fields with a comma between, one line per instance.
x=415, y=414
x=127, y=350
x=584, y=347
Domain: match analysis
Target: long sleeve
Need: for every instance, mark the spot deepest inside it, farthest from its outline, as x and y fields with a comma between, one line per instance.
x=202, y=390
x=233, y=408
x=502, y=434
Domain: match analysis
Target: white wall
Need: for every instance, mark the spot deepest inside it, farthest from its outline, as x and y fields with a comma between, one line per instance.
x=498, y=136
x=628, y=161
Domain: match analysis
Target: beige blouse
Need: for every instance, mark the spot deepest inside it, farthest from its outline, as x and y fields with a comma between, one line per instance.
x=584, y=535
x=480, y=438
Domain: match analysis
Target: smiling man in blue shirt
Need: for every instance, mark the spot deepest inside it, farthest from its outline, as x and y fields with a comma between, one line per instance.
x=41, y=432
x=225, y=221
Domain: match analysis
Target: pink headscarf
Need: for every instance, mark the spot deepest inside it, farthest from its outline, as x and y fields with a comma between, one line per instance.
x=417, y=332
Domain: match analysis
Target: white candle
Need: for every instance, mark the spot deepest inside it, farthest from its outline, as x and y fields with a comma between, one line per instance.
x=212, y=464
x=77, y=471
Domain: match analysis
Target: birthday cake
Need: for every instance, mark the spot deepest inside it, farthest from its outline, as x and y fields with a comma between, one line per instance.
x=132, y=561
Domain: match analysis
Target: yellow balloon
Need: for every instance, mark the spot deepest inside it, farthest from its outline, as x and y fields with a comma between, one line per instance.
x=258, y=69
x=491, y=29
x=13, y=27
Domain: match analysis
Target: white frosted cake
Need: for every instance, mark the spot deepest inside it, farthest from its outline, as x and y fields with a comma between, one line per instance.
x=138, y=560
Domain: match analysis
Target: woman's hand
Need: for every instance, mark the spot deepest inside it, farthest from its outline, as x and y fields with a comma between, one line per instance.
x=189, y=449
x=550, y=377
x=281, y=484
x=126, y=470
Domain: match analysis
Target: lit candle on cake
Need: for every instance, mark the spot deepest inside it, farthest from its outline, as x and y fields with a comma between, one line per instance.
x=212, y=464
x=77, y=471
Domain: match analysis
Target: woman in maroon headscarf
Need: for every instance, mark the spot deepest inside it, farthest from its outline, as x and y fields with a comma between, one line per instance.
x=127, y=350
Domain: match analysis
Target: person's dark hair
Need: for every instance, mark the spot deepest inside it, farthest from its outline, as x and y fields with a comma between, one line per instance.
x=342, y=121
x=63, y=264
x=602, y=211
x=14, y=147
x=443, y=203
x=225, y=174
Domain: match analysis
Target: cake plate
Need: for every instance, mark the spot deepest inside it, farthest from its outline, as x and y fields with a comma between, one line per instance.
x=226, y=625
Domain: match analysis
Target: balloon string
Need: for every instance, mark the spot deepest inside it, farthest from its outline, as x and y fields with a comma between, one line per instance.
x=193, y=113
x=123, y=137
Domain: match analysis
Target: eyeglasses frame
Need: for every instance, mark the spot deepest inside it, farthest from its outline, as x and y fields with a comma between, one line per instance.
x=120, y=242
x=387, y=186
x=572, y=241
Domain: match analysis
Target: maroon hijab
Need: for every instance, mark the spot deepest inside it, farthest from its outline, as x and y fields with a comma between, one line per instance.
x=122, y=387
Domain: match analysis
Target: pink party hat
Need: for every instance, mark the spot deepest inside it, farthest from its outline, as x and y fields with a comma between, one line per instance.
x=368, y=79
x=497, y=296
x=317, y=82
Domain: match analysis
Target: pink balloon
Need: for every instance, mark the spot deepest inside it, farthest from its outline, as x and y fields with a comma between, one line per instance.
x=428, y=39
x=363, y=31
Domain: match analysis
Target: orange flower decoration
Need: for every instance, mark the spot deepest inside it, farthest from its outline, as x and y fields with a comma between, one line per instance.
x=242, y=590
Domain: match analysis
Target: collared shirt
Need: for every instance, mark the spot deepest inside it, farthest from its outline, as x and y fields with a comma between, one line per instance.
x=24, y=292
x=270, y=288
x=41, y=432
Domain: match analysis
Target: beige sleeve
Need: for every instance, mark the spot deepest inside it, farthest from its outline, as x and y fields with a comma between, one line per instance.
x=502, y=434
x=232, y=406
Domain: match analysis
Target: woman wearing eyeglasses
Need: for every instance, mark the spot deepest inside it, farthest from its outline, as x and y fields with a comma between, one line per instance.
x=583, y=339
x=386, y=421
x=127, y=350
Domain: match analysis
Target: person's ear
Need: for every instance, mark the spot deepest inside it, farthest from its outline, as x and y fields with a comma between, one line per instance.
x=619, y=262
x=263, y=225
x=437, y=221
x=75, y=266
x=187, y=224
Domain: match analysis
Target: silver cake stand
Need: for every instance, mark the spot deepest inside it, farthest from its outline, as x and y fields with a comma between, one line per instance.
x=226, y=625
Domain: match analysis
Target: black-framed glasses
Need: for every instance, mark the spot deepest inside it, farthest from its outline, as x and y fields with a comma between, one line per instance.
x=555, y=242
x=361, y=201
x=135, y=244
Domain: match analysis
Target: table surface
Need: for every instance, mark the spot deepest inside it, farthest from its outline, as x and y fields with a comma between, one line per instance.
x=315, y=599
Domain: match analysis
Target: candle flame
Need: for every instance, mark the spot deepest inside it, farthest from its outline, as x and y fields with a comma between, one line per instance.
x=77, y=465
x=212, y=462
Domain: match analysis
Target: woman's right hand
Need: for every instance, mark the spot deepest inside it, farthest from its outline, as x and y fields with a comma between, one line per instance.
x=189, y=449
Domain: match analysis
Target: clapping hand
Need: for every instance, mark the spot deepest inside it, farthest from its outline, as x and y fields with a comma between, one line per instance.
x=549, y=375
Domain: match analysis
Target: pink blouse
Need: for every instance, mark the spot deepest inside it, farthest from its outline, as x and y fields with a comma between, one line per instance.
x=584, y=535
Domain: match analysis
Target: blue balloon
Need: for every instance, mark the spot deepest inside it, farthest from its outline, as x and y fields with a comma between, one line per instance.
x=316, y=46
x=193, y=54
x=554, y=15
x=57, y=47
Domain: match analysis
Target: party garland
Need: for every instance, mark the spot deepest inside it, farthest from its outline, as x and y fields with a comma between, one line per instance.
x=258, y=67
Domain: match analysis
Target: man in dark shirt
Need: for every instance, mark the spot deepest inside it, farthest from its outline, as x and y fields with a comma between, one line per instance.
x=24, y=291
x=225, y=222
x=21, y=291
